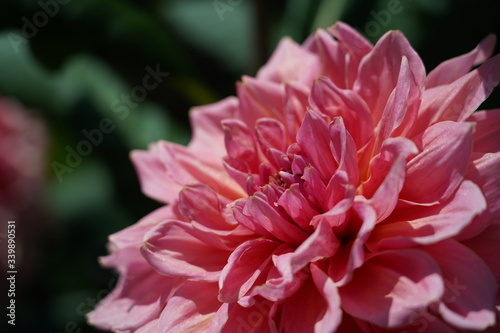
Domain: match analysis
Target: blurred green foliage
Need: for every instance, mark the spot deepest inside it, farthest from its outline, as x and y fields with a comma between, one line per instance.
x=75, y=66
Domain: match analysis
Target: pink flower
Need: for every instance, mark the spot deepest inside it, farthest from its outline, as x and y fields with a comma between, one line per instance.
x=23, y=143
x=23, y=147
x=343, y=190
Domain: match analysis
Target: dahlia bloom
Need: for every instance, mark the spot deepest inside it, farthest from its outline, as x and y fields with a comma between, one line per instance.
x=23, y=147
x=23, y=142
x=343, y=190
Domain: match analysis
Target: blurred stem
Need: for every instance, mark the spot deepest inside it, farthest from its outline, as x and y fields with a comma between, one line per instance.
x=329, y=11
x=261, y=33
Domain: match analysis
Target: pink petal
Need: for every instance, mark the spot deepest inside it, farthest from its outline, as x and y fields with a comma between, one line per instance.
x=327, y=98
x=487, y=247
x=314, y=186
x=333, y=57
x=201, y=204
x=296, y=103
x=258, y=99
x=354, y=45
x=314, y=133
x=419, y=322
x=391, y=286
x=357, y=45
x=153, y=176
x=322, y=313
x=454, y=68
x=270, y=133
x=379, y=71
x=166, y=167
x=290, y=62
x=340, y=197
x=244, y=266
x=207, y=129
x=176, y=248
x=435, y=173
x=132, y=303
x=263, y=215
x=320, y=245
x=483, y=170
x=275, y=287
x=486, y=135
x=388, y=171
x=344, y=150
x=340, y=188
x=297, y=206
x=190, y=309
x=402, y=106
x=151, y=327
x=413, y=225
x=133, y=236
x=233, y=318
x=350, y=324
x=240, y=143
x=470, y=288
x=459, y=99
x=350, y=256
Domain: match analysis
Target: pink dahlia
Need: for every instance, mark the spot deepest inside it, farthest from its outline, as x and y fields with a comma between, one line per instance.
x=343, y=190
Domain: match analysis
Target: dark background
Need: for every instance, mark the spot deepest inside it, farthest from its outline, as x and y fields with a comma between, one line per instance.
x=72, y=66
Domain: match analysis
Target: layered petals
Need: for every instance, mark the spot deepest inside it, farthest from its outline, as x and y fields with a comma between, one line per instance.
x=387, y=290
x=342, y=190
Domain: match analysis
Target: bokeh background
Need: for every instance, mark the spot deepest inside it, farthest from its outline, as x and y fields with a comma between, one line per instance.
x=70, y=62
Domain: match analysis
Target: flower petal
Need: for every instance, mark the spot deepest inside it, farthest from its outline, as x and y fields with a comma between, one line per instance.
x=133, y=236
x=176, y=248
x=333, y=57
x=322, y=313
x=254, y=319
x=296, y=103
x=263, y=214
x=200, y=203
x=379, y=71
x=207, y=129
x=470, y=288
x=388, y=171
x=290, y=62
x=435, y=173
x=240, y=143
x=314, y=133
x=327, y=98
x=487, y=247
x=454, y=68
x=387, y=290
x=190, y=309
x=483, y=171
x=244, y=266
x=153, y=176
x=486, y=135
x=355, y=45
x=458, y=100
x=320, y=245
x=413, y=225
x=420, y=322
x=402, y=106
x=351, y=255
x=297, y=207
x=133, y=303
